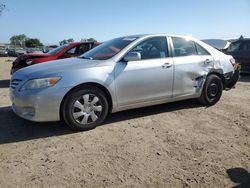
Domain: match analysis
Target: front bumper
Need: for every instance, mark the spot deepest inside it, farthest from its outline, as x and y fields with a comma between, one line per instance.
x=39, y=104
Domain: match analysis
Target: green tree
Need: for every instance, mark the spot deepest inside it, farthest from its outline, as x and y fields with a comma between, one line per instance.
x=18, y=40
x=66, y=41
x=31, y=43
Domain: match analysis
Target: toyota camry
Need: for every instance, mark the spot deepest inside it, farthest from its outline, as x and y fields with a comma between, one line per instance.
x=120, y=74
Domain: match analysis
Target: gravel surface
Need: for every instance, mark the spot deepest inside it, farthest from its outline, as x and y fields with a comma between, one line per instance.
x=180, y=144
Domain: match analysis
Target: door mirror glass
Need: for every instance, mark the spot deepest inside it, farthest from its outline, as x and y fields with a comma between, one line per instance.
x=132, y=56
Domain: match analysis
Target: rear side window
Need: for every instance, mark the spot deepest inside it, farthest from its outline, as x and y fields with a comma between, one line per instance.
x=153, y=48
x=201, y=50
x=183, y=47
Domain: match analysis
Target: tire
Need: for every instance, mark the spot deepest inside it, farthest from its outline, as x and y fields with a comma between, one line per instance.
x=85, y=108
x=212, y=90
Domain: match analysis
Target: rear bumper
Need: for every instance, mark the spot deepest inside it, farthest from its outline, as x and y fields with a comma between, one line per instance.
x=232, y=78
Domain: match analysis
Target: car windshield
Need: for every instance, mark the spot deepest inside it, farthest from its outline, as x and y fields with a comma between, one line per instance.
x=108, y=49
x=56, y=50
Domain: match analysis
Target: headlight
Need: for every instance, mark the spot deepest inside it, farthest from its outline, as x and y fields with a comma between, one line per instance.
x=40, y=83
x=28, y=62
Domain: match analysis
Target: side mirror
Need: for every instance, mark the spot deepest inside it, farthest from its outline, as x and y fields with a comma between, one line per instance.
x=132, y=56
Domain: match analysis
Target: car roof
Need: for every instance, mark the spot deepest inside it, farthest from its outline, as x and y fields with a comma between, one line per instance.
x=83, y=42
x=158, y=34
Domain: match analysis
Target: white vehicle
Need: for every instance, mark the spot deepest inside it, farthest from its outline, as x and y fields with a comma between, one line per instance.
x=123, y=73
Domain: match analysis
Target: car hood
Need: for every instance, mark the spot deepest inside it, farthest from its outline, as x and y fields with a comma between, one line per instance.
x=30, y=56
x=57, y=66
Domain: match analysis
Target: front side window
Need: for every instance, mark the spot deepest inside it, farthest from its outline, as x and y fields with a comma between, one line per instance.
x=183, y=47
x=152, y=48
x=108, y=49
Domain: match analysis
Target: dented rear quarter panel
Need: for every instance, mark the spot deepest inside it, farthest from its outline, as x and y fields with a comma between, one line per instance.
x=189, y=75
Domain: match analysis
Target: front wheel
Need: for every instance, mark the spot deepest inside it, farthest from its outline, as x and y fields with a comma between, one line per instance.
x=85, y=108
x=212, y=91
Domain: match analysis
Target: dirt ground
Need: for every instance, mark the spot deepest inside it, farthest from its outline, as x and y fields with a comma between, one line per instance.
x=173, y=145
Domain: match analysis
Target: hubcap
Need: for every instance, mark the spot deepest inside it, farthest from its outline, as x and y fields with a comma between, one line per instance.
x=213, y=90
x=87, y=109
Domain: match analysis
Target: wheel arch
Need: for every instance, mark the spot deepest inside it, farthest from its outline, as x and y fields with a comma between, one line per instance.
x=219, y=73
x=94, y=84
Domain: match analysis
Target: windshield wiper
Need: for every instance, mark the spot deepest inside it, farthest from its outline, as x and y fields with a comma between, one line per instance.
x=84, y=57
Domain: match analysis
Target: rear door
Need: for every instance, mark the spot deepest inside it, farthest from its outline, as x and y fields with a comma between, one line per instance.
x=191, y=62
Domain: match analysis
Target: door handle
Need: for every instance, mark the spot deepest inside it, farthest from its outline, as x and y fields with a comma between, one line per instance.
x=166, y=65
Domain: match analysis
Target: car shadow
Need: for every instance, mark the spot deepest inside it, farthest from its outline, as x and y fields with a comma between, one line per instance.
x=4, y=83
x=240, y=176
x=15, y=129
x=151, y=110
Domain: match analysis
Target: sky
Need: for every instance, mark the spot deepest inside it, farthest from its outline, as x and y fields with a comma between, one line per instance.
x=54, y=20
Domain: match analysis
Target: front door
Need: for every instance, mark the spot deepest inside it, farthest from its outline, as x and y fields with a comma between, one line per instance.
x=148, y=79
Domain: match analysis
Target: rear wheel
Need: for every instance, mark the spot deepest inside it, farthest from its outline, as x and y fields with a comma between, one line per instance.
x=85, y=108
x=212, y=91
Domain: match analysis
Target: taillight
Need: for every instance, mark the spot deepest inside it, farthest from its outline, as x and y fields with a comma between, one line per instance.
x=232, y=61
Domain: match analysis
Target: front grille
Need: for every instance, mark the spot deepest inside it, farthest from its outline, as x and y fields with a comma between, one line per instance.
x=14, y=83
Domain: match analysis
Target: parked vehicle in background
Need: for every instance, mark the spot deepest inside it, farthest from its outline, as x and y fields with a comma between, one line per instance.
x=223, y=45
x=3, y=52
x=123, y=73
x=20, y=51
x=66, y=51
x=240, y=50
x=16, y=52
x=34, y=50
x=219, y=44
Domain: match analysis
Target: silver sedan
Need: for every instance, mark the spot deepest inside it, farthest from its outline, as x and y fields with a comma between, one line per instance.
x=123, y=73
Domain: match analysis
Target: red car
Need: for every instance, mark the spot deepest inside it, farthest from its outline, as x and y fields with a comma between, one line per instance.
x=66, y=51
